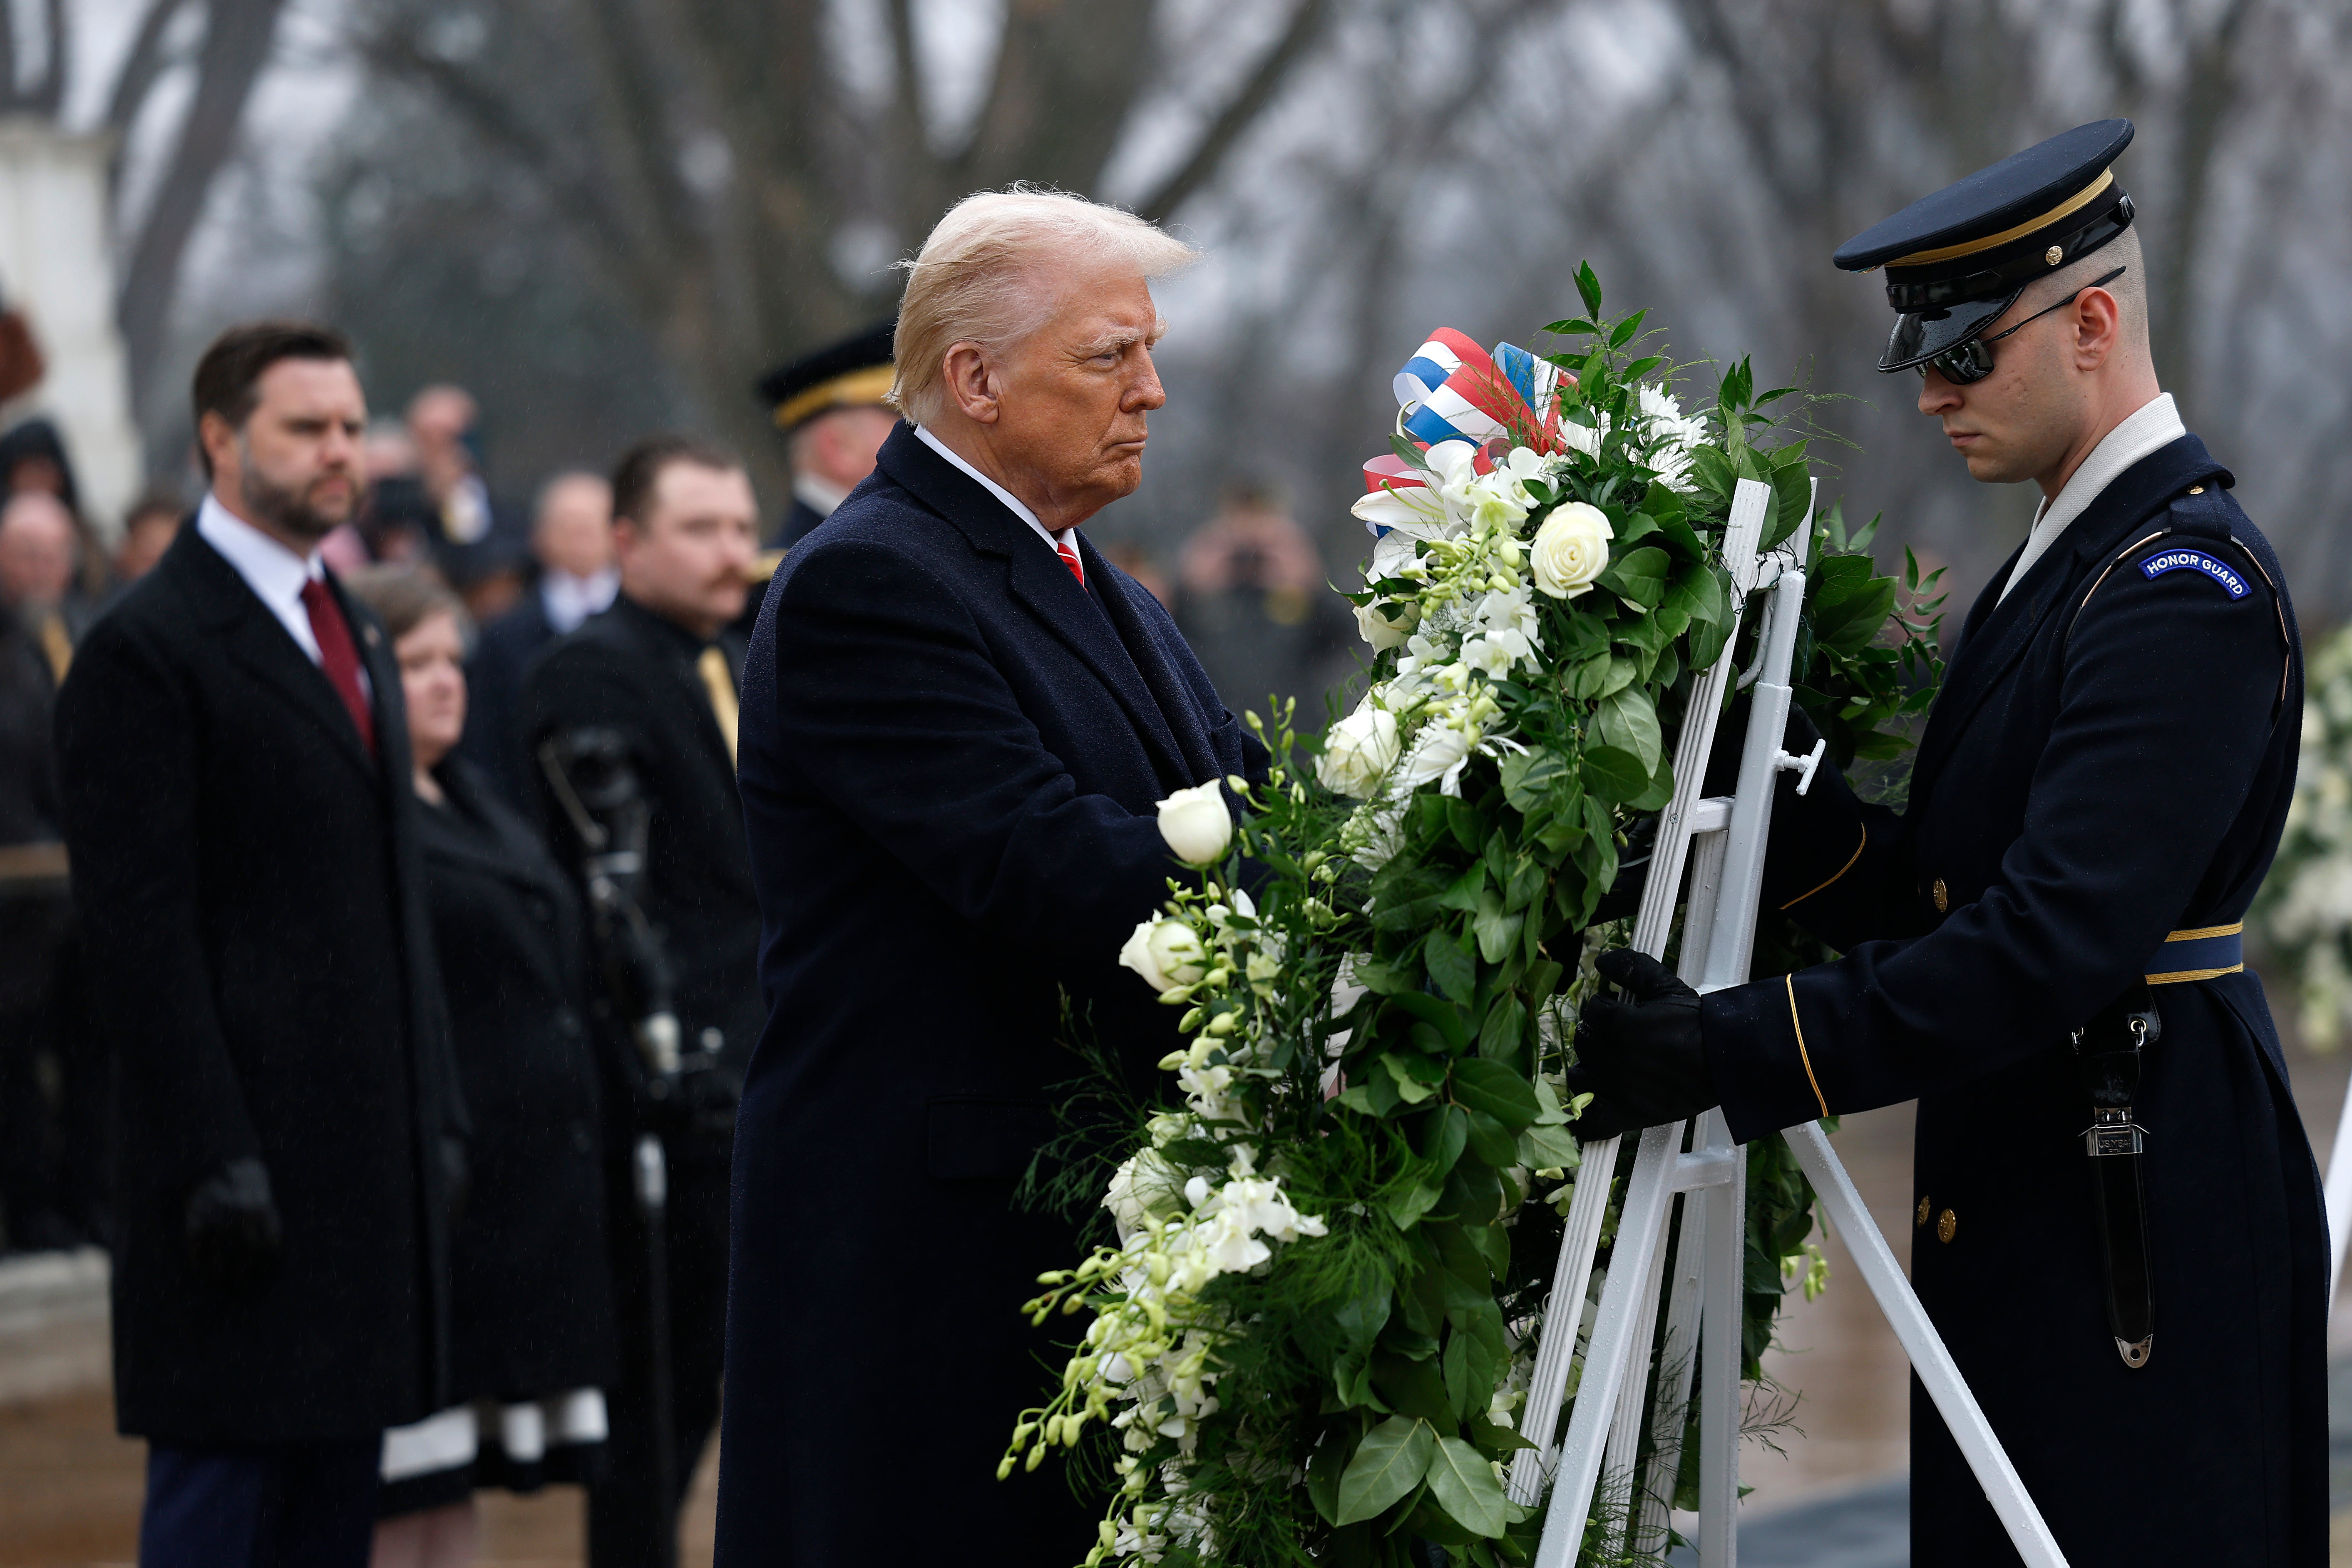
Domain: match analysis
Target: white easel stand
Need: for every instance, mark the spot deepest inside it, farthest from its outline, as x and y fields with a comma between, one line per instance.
x=1723, y=840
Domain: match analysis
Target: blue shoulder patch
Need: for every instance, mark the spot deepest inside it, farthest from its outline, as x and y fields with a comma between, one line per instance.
x=2219, y=571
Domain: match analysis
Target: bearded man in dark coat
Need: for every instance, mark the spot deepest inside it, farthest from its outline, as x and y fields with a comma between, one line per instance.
x=233, y=764
x=956, y=719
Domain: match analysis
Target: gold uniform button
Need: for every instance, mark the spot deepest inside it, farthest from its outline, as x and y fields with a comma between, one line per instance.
x=2197, y=489
x=2054, y=256
x=1943, y=899
x=1945, y=1224
x=1921, y=1218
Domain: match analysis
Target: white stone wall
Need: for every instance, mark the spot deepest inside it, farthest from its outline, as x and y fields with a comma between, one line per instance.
x=56, y=264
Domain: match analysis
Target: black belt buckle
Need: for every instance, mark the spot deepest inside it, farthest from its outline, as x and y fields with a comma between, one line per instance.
x=2107, y=1049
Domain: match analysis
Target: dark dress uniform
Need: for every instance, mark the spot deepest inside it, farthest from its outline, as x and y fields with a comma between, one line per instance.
x=635, y=671
x=2108, y=766
x=951, y=754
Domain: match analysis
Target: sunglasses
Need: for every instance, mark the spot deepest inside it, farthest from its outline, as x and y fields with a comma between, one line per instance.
x=1972, y=361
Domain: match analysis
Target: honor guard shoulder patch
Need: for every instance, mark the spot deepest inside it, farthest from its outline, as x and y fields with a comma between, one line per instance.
x=2219, y=571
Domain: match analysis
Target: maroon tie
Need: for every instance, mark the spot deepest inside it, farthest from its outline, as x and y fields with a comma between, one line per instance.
x=338, y=656
x=1069, y=555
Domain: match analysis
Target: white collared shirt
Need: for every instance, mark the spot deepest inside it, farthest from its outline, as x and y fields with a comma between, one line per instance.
x=275, y=573
x=2156, y=424
x=1054, y=541
x=569, y=600
x=819, y=497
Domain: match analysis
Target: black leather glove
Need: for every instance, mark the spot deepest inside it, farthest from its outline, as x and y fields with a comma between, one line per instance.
x=1640, y=1058
x=231, y=1229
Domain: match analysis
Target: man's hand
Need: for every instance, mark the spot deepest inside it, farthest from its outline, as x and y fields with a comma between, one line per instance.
x=1640, y=1058
x=232, y=1230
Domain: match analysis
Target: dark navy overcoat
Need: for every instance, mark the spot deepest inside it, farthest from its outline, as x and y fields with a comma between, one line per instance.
x=2110, y=762
x=950, y=753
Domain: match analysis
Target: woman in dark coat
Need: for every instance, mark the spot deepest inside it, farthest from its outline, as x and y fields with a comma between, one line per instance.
x=532, y=1307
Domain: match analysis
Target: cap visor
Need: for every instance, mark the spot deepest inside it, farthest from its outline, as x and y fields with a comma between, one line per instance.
x=1917, y=338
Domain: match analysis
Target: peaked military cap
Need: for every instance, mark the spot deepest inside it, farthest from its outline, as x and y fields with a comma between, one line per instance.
x=853, y=374
x=1956, y=259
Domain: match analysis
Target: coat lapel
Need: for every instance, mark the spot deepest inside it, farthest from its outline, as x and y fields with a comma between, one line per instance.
x=252, y=637
x=1173, y=699
x=1998, y=631
x=1037, y=578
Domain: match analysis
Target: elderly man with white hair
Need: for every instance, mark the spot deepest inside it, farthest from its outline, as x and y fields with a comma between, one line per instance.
x=956, y=722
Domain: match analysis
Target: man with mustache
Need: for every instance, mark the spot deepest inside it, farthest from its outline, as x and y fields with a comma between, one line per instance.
x=958, y=717
x=2042, y=948
x=657, y=671
x=233, y=767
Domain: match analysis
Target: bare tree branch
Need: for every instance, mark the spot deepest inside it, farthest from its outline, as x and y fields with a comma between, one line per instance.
x=238, y=37
x=1208, y=155
x=141, y=65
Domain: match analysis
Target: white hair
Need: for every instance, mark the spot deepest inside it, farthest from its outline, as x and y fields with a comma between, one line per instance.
x=986, y=274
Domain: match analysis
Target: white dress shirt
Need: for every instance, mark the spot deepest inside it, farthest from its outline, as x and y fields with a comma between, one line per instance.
x=2155, y=424
x=569, y=600
x=1054, y=541
x=275, y=573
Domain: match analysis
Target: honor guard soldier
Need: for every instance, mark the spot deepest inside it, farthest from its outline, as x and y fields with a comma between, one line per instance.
x=2042, y=950
x=832, y=407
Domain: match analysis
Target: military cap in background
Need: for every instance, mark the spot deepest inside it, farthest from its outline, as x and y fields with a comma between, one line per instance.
x=853, y=374
x=1956, y=259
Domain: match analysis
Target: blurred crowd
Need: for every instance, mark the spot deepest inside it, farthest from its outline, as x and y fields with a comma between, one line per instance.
x=569, y=668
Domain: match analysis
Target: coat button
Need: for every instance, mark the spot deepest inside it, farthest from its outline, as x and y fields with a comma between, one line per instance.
x=1947, y=1224
x=2197, y=489
x=1920, y=1218
x=1943, y=899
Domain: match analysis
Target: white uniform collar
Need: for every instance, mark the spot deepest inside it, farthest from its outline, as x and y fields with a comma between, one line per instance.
x=2154, y=426
x=815, y=494
x=1053, y=541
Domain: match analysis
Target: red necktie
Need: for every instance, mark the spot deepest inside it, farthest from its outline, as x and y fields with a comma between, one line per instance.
x=339, y=657
x=1069, y=555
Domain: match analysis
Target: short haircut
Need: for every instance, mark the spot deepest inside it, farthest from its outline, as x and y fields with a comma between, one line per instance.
x=2130, y=289
x=977, y=278
x=232, y=368
x=404, y=598
x=640, y=469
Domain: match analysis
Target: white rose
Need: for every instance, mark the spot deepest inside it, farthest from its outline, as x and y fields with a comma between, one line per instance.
x=1166, y=953
x=1358, y=753
x=1372, y=620
x=1196, y=823
x=1572, y=549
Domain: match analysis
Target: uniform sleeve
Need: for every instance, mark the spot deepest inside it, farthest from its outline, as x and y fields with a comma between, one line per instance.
x=1838, y=867
x=127, y=753
x=2166, y=708
x=889, y=705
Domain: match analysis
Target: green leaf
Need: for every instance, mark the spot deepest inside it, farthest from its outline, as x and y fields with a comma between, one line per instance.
x=1405, y=1207
x=1469, y=1375
x=1448, y=1134
x=1451, y=966
x=1387, y=1464
x=1629, y=721
x=1434, y=1011
x=1491, y=1142
x=1502, y=1092
x=1588, y=289
x=1506, y=1026
x=1575, y=327
x=1323, y=1470
x=1792, y=496
x=1412, y=456
x=1611, y=774
x=1626, y=329
x=1713, y=469
x=1498, y=931
x=1638, y=576
x=1361, y=1317
x=1545, y=1147
x=1462, y=1483
x=1414, y=1388
x=1527, y=777
x=1661, y=790
x=1410, y=1088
